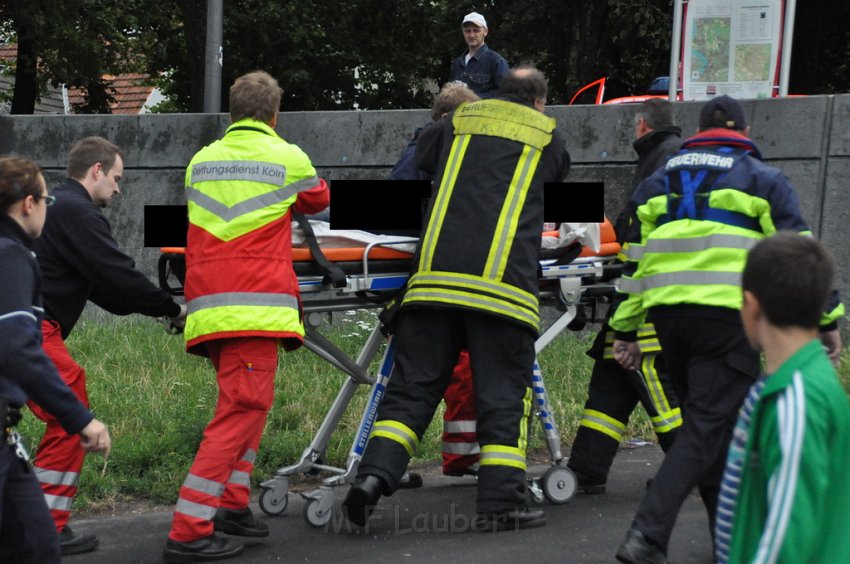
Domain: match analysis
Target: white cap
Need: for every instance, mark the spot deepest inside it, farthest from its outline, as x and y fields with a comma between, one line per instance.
x=476, y=18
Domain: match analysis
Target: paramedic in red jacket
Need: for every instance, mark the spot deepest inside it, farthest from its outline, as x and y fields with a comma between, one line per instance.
x=243, y=301
x=80, y=261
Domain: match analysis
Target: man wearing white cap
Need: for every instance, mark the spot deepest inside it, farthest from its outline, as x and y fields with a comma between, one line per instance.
x=480, y=67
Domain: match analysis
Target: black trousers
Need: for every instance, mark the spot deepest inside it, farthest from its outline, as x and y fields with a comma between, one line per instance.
x=27, y=531
x=501, y=352
x=612, y=395
x=711, y=366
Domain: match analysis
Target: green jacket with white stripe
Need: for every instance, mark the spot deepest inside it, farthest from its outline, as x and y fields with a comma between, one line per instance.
x=694, y=222
x=480, y=248
x=794, y=499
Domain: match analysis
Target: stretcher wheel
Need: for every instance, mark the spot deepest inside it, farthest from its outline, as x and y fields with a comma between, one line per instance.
x=559, y=484
x=273, y=501
x=315, y=514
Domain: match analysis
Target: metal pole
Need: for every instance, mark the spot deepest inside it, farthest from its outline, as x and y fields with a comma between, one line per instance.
x=787, y=39
x=675, y=49
x=212, y=66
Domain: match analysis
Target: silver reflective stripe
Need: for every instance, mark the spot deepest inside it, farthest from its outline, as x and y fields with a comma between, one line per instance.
x=634, y=252
x=250, y=456
x=517, y=191
x=501, y=456
x=461, y=448
x=242, y=299
x=195, y=510
x=56, y=478
x=59, y=502
x=203, y=485
x=251, y=204
x=695, y=244
x=240, y=478
x=250, y=171
x=459, y=426
x=18, y=314
x=686, y=278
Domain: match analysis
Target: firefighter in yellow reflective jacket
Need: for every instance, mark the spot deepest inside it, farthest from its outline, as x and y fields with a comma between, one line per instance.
x=243, y=303
x=475, y=287
x=614, y=392
x=693, y=225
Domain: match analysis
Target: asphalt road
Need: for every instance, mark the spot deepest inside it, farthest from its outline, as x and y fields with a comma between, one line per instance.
x=431, y=525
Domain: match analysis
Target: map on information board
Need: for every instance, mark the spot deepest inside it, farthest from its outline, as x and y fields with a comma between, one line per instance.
x=730, y=47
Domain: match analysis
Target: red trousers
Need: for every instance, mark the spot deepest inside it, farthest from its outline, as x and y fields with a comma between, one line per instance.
x=220, y=475
x=460, y=442
x=60, y=457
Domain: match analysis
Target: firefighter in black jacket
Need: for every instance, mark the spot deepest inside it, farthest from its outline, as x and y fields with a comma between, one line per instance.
x=475, y=286
x=27, y=533
x=614, y=392
x=81, y=261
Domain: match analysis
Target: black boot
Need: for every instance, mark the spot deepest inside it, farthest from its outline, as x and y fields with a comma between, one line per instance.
x=520, y=517
x=239, y=522
x=208, y=548
x=362, y=497
x=637, y=549
x=72, y=543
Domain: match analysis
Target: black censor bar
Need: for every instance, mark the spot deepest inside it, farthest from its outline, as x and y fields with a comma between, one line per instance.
x=391, y=207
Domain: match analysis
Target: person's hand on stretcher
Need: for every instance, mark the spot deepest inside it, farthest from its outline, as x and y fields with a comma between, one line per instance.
x=627, y=354
x=175, y=325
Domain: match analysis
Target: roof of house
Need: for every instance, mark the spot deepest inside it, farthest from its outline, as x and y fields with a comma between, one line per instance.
x=130, y=90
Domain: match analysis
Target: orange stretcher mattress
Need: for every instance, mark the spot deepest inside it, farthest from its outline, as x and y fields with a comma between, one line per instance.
x=609, y=247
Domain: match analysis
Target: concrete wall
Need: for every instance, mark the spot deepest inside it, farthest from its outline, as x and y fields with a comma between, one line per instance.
x=808, y=138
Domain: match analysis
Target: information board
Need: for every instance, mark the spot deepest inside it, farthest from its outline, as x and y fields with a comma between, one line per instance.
x=731, y=47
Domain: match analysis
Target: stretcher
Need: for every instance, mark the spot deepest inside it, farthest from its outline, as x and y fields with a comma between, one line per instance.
x=374, y=273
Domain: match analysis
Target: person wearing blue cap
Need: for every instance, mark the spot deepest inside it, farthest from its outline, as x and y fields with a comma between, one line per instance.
x=480, y=68
x=694, y=222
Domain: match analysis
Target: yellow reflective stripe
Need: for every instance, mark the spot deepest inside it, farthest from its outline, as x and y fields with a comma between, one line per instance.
x=506, y=226
x=605, y=424
x=668, y=421
x=475, y=283
x=523, y=423
x=508, y=120
x=438, y=213
x=243, y=318
x=229, y=213
x=647, y=341
x=653, y=383
x=501, y=455
x=473, y=300
x=834, y=315
x=398, y=432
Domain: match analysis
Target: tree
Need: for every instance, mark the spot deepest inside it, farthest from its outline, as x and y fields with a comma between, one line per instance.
x=75, y=43
x=369, y=54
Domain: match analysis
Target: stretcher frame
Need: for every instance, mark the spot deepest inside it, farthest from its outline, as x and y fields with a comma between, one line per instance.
x=578, y=289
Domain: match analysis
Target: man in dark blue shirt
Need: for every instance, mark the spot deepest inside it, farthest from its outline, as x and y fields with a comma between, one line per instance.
x=480, y=67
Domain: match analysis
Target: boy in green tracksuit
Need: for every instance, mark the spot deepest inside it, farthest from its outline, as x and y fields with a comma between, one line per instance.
x=785, y=495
